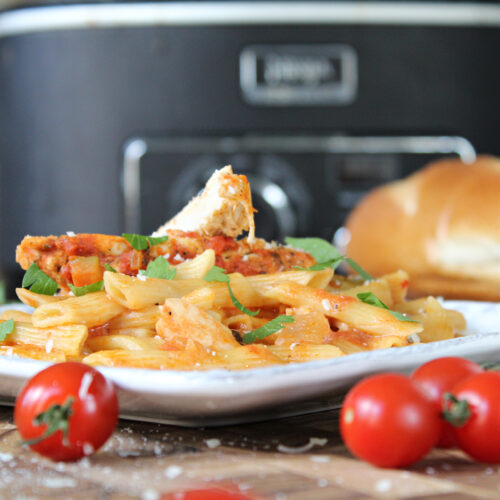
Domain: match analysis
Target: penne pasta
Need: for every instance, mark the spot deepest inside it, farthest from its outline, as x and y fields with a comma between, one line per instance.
x=33, y=352
x=126, y=342
x=196, y=268
x=135, y=293
x=243, y=322
x=248, y=356
x=434, y=318
x=352, y=341
x=312, y=279
x=398, y=284
x=68, y=339
x=90, y=310
x=141, y=319
x=380, y=288
x=371, y=319
x=310, y=327
x=15, y=315
x=134, y=332
x=178, y=317
x=300, y=353
x=194, y=357
x=36, y=299
x=202, y=297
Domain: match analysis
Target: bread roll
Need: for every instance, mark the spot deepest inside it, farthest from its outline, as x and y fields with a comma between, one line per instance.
x=441, y=225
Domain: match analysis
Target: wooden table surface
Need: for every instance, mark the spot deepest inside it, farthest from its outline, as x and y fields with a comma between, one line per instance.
x=144, y=461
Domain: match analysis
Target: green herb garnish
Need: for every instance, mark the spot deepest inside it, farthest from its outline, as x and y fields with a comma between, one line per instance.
x=365, y=275
x=216, y=273
x=159, y=268
x=320, y=249
x=334, y=263
x=6, y=328
x=325, y=254
x=110, y=268
x=139, y=242
x=371, y=299
x=269, y=328
x=78, y=291
x=38, y=282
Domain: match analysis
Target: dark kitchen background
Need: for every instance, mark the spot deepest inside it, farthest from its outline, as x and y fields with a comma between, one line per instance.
x=113, y=115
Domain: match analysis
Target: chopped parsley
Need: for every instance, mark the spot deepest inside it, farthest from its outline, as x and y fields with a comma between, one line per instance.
x=78, y=291
x=216, y=273
x=326, y=255
x=371, y=299
x=269, y=328
x=110, y=268
x=6, y=328
x=159, y=268
x=38, y=282
x=139, y=242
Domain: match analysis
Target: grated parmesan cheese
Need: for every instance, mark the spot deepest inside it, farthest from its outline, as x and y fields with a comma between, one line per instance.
x=383, y=485
x=49, y=345
x=212, y=443
x=88, y=449
x=173, y=471
x=326, y=304
x=150, y=494
x=6, y=457
x=58, y=482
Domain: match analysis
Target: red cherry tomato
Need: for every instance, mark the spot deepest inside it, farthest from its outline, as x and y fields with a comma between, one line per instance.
x=389, y=421
x=73, y=403
x=439, y=376
x=480, y=435
x=206, y=494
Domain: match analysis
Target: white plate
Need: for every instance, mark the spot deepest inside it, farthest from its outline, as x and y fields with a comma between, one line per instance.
x=221, y=397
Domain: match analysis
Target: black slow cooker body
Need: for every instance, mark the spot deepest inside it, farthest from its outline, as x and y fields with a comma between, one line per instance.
x=73, y=98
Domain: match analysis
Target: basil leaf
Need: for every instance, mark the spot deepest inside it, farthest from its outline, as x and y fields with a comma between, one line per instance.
x=110, y=268
x=78, y=291
x=320, y=249
x=269, y=328
x=156, y=240
x=6, y=328
x=139, y=242
x=364, y=274
x=239, y=305
x=334, y=263
x=159, y=268
x=371, y=299
x=38, y=282
x=326, y=255
x=216, y=273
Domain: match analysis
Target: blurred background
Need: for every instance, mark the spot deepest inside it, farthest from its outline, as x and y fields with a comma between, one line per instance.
x=114, y=114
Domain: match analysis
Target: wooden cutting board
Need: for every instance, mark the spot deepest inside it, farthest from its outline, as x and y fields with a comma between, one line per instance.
x=144, y=461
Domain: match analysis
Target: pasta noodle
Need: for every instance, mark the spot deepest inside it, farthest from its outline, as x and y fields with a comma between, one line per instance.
x=91, y=310
x=68, y=339
x=189, y=323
